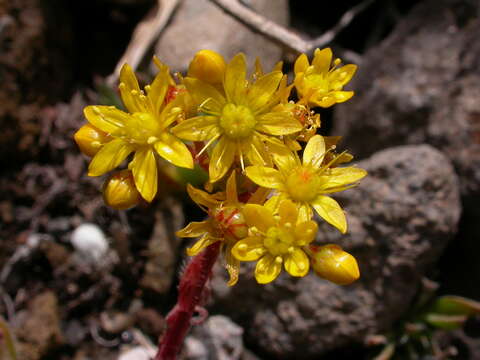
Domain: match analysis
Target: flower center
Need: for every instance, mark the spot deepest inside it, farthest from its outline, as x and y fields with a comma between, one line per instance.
x=303, y=184
x=279, y=241
x=141, y=127
x=237, y=121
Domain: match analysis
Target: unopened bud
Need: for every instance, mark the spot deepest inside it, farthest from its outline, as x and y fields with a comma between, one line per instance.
x=332, y=263
x=90, y=139
x=119, y=191
x=208, y=66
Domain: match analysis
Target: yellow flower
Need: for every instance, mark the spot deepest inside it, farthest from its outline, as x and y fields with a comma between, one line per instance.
x=239, y=119
x=276, y=241
x=332, y=263
x=321, y=84
x=119, y=191
x=143, y=131
x=225, y=223
x=306, y=183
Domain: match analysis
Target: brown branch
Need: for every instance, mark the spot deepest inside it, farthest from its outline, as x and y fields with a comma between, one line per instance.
x=282, y=35
x=144, y=35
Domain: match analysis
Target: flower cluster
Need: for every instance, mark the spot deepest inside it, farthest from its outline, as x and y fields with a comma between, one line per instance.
x=269, y=171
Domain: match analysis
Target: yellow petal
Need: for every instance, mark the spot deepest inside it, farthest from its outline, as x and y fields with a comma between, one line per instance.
x=221, y=159
x=262, y=91
x=305, y=213
x=322, y=60
x=273, y=203
x=314, y=151
x=130, y=90
x=342, y=96
x=208, y=66
x=340, y=177
x=235, y=83
x=231, y=190
x=267, y=269
x=232, y=265
x=107, y=118
x=201, y=244
x=331, y=212
x=202, y=198
x=265, y=176
x=174, y=151
x=259, y=196
x=194, y=229
x=109, y=157
x=284, y=158
x=144, y=169
x=341, y=76
x=258, y=216
x=249, y=249
x=288, y=212
x=322, y=100
x=199, y=128
x=297, y=263
x=205, y=94
x=257, y=153
x=301, y=64
x=158, y=88
x=305, y=232
x=278, y=123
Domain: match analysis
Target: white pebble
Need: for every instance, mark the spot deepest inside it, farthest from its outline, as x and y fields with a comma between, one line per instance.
x=90, y=242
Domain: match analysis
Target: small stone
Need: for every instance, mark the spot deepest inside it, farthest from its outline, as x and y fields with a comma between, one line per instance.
x=90, y=242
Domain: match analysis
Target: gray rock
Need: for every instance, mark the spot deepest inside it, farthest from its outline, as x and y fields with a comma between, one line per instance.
x=400, y=219
x=421, y=85
x=198, y=24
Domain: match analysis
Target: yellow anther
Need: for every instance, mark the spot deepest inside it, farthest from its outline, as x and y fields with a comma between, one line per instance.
x=152, y=140
x=288, y=225
x=291, y=249
x=278, y=259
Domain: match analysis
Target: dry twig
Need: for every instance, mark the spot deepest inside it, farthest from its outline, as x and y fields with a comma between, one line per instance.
x=144, y=35
x=282, y=35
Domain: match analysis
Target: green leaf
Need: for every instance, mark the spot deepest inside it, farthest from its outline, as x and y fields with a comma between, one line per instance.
x=446, y=322
x=455, y=305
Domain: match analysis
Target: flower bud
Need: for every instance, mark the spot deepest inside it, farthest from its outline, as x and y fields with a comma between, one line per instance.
x=90, y=139
x=332, y=263
x=208, y=66
x=119, y=191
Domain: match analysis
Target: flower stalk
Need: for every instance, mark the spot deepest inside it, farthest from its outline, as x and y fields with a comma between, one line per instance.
x=190, y=295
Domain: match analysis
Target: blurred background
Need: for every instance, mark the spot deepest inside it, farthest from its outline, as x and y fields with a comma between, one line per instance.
x=80, y=281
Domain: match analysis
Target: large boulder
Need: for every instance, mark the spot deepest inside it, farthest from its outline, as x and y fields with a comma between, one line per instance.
x=401, y=217
x=421, y=85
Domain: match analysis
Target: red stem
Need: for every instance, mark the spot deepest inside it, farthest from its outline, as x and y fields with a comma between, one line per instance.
x=190, y=290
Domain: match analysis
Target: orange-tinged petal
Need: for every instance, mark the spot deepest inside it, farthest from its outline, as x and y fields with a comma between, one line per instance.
x=314, y=151
x=305, y=232
x=297, y=263
x=278, y=123
x=107, y=118
x=249, y=249
x=201, y=244
x=202, y=198
x=322, y=60
x=262, y=91
x=267, y=269
x=331, y=212
x=258, y=216
x=288, y=212
x=332, y=263
x=206, y=95
x=194, y=229
x=301, y=64
x=174, y=151
x=130, y=90
x=109, y=157
x=235, y=83
x=90, y=139
x=222, y=158
x=199, y=128
x=265, y=176
x=144, y=169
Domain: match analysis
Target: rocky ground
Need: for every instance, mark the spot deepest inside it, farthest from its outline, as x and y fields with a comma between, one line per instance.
x=413, y=124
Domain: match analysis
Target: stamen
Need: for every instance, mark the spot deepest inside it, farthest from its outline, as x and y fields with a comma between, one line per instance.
x=207, y=145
